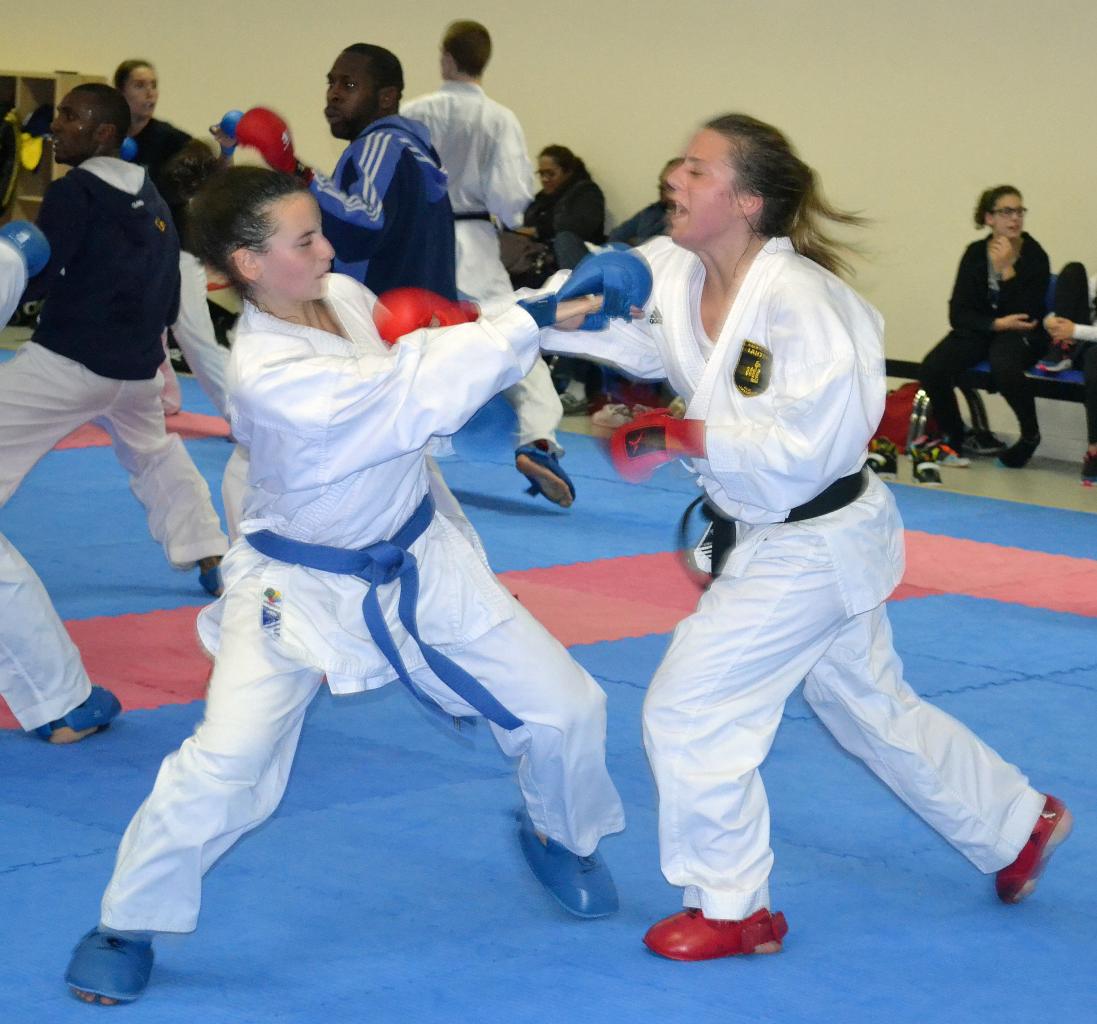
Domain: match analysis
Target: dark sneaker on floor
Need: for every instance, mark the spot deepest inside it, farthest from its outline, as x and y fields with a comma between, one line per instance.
x=1089, y=470
x=983, y=442
x=1018, y=453
x=883, y=457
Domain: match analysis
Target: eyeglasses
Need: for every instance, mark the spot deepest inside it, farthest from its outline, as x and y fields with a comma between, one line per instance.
x=1011, y=211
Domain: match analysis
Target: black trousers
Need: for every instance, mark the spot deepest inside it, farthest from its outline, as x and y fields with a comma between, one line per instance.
x=1072, y=302
x=1009, y=353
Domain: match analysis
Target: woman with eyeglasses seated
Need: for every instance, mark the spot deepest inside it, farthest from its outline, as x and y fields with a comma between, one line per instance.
x=996, y=312
x=568, y=212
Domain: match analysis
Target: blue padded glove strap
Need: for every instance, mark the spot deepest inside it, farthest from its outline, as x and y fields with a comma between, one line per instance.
x=542, y=310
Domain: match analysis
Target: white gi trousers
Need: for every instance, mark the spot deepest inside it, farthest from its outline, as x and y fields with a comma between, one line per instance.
x=716, y=700
x=230, y=775
x=41, y=675
x=481, y=277
x=45, y=396
x=193, y=330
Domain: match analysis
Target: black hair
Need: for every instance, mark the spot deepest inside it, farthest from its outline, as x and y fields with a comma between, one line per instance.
x=384, y=66
x=232, y=211
x=109, y=106
x=989, y=199
x=567, y=161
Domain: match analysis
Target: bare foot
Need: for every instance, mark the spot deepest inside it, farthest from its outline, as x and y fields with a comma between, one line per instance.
x=551, y=485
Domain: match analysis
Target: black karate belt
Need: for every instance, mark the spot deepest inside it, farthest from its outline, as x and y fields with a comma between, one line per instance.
x=718, y=537
x=480, y=215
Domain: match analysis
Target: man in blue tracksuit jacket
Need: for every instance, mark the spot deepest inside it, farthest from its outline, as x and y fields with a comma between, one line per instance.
x=385, y=208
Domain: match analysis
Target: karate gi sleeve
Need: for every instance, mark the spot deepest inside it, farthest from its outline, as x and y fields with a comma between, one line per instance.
x=816, y=424
x=347, y=414
x=13, y=279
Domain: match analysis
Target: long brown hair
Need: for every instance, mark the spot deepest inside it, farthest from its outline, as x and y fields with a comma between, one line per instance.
x=792, y=200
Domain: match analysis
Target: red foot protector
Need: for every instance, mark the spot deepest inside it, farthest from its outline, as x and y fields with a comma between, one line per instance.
x=1017, y=880
x=692, y=936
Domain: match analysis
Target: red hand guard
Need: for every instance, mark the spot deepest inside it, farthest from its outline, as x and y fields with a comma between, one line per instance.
x=264, y=130
x=642, y=446
x=403, y=310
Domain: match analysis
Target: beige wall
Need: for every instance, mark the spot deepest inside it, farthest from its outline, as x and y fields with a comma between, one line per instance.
x=907, y=109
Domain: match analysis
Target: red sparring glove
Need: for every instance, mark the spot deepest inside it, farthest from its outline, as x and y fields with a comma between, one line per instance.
x=642, y=446
x=264, y=130
x=403, y=310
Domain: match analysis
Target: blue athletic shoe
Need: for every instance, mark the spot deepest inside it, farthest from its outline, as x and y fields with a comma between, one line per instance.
x=110, y=967
x=541, y=467
x=97, y=712
x=583, y=886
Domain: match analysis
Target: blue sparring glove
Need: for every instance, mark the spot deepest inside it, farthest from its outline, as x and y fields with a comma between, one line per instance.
x=623, y=279
x=29, y=242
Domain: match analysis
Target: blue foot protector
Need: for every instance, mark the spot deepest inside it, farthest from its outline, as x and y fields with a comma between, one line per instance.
x=110, y=966
x=211, y=580
x=546, y=476
x=583, y=886
x=97, y=712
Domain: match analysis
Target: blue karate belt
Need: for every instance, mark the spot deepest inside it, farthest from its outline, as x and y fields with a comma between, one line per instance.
x=389, y=561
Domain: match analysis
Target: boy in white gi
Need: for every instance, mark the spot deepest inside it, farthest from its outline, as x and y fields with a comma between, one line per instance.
x=782, y=366
x=483, y=150
x=346, y=573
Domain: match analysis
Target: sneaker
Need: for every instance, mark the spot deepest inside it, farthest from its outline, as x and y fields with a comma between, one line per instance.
x=677, y=407
x=1018, y=453
x=1089, y=469
x=983, y=442
x=883, y=457
x=574, y=405
x=612, y=415
x=1018, y=879
x=938, y=452
x=1059, y=357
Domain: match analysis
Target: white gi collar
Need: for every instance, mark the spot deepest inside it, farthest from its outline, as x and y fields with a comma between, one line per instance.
x=742, y=311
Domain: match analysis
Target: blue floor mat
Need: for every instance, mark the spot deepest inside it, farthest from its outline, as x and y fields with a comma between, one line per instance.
x=389, y=886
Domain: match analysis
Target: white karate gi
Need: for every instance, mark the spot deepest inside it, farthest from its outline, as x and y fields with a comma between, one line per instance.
x=484, y=153
x=197, y=340
x=41, y=675
x=795, y=600
x=336, y=431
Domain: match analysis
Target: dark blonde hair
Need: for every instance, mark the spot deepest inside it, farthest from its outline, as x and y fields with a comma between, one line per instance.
x=128, y=67
x=989, y=199
x=766, y=165
x=469, y=44
x=233, y=211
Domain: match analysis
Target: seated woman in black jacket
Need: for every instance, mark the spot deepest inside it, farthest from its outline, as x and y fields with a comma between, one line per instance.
x=996, y=309
x=568, y=212
x=570, y=209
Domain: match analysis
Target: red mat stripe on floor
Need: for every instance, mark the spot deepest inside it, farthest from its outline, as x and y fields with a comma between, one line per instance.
x=154, y=658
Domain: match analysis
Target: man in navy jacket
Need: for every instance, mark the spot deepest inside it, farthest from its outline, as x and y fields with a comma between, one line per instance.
x=111, y=287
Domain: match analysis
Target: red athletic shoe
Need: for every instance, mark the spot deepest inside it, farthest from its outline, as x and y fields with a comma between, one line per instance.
x=1017, y=880
x=692, y=936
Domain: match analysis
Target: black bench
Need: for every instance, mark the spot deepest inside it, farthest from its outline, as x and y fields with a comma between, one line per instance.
x=1062, y=387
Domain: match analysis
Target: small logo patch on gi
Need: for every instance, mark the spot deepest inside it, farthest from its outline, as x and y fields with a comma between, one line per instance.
x=271, y=613
x=161, y=224
x=751, y=374
x=656, y=317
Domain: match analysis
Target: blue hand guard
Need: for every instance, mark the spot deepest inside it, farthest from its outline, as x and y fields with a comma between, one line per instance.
x=622, y=278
